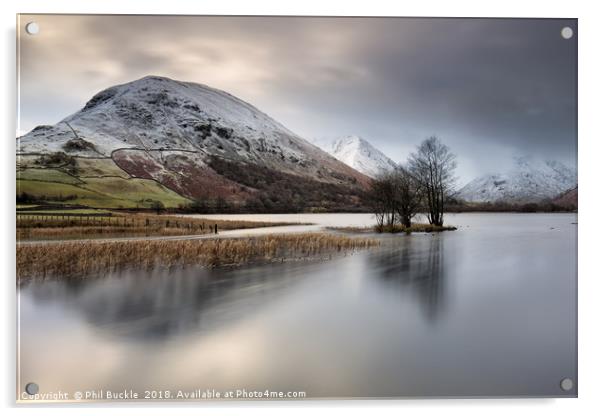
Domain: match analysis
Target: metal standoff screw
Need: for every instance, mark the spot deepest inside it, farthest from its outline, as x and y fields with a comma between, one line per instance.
x=566, y=384
x=32, y=388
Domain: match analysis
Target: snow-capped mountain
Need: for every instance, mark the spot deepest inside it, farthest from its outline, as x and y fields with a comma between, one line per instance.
x=529, y=180
x=360, y=155
x=196, y=140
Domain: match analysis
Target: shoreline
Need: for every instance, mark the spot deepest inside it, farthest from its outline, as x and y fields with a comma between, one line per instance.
x=396, y=229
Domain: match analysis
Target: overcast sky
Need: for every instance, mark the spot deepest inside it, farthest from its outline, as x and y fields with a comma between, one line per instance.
x=491, y=89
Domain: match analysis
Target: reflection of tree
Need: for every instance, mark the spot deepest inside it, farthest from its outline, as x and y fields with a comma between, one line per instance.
x=161, y=304
x=415, y=263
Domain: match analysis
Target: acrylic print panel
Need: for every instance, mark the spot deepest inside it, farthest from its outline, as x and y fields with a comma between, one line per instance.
x=295, y=208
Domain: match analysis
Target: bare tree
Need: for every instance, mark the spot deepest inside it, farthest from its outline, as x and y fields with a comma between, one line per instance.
x=382, y=199
x=408, y=195
x=433, y=165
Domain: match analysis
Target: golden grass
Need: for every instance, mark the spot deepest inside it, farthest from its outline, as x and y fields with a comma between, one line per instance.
x=79, y=259
x=55, y=233
x=58, y=226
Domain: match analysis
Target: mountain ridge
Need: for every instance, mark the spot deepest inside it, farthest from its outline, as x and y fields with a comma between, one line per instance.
x=180, y=134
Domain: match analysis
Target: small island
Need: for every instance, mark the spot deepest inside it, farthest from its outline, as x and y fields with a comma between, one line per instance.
x=422, y=185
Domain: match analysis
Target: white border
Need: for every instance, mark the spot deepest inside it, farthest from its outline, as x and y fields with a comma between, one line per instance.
x=590, y=153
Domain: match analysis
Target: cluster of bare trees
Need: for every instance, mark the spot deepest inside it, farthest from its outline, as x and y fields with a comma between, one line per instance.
x=422, y=186
x=396, y=197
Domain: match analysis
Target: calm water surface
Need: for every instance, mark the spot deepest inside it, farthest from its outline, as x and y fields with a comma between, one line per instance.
x=489, y=309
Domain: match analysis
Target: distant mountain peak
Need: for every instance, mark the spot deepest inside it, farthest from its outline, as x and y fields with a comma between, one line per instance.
x=529, y=180
x=360, y=154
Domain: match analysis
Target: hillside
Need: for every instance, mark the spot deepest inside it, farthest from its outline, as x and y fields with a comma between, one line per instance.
x=567, y=200
x=157, y=139
x=529, y=180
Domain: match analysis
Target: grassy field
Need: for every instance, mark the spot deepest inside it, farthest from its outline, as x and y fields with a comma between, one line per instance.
x=58, y=192
x=97, y=183
x=140, y=192
x=98, y=168
x=48, y=175
x=52, y=212
x=77, y=260
x=103, y=192
x=59, y=225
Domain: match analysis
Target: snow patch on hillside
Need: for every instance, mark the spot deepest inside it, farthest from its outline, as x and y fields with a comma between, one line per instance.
x=530, y=180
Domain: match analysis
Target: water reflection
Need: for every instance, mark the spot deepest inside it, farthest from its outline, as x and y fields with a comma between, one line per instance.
x=157, y=305
x=415, y=264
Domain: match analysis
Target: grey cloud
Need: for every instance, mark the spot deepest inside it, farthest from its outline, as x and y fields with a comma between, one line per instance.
x=489, y=87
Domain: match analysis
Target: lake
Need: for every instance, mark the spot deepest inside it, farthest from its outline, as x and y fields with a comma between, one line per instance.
x=487, y=310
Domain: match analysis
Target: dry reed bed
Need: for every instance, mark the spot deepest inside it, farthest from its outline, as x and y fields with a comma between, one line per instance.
x=57, y=226
x=56, y=233
x=79, y=259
